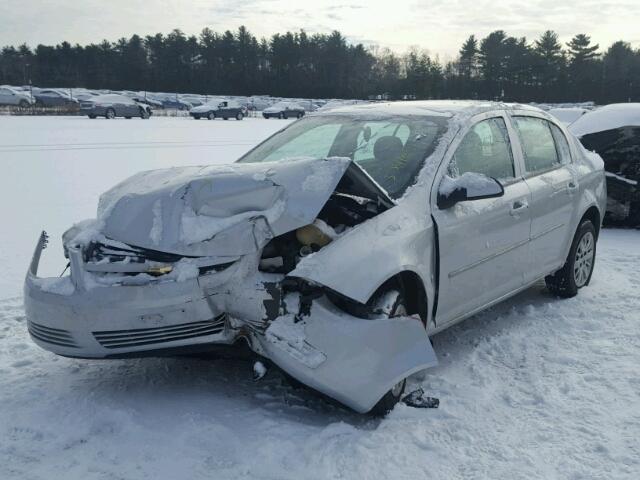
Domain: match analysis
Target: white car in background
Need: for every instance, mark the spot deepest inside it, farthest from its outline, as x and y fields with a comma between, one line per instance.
x=335, y=248
x=12, y=96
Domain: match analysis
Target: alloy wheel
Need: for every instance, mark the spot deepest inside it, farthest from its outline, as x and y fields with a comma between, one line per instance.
x=584, y=259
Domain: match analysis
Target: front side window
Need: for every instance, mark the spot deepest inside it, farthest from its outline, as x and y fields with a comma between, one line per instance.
x=485, y=149
x=538, y=145
x=390, y=149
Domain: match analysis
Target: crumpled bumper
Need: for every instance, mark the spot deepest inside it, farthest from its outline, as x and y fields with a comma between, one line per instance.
x=352, y=360
x=69, y=318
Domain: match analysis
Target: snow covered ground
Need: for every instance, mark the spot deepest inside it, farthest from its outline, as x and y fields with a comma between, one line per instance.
x=535, y=388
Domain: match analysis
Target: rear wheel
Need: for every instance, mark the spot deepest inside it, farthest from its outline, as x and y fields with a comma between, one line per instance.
x=239, y=116
x=144, y=114
x=92, y=117
x=211, y=116
x=23, y=104
x=390, y=303
x=577, y=270
x=110, y=114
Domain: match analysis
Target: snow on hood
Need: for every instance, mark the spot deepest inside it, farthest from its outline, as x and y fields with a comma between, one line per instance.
x=221, y=210
x=609, y=117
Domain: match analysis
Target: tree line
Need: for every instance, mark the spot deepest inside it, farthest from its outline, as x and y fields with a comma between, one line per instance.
x=297, y=64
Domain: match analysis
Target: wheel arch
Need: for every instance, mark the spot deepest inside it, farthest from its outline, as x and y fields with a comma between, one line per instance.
x=593, y=214
x=412, y=287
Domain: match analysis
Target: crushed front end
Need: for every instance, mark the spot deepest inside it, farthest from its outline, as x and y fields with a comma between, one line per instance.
x=151, y=297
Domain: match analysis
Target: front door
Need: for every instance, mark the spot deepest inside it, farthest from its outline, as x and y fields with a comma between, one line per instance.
x=483, y=244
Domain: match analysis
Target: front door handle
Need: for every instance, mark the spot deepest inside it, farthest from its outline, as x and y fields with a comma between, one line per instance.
x=572, y=186
x=518, y=207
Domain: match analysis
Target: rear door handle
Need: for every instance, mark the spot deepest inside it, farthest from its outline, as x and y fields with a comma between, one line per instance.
x=518, y=207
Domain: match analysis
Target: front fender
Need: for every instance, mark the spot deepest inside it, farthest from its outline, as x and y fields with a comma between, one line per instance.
x=353, y=360
x=362, y=259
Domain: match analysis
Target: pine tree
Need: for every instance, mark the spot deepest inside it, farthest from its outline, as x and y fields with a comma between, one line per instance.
x=469, y=57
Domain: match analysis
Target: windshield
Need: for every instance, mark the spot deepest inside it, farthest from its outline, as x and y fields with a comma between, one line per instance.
x=390, y=149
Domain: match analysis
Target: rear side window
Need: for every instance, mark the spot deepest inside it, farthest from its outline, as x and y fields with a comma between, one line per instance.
x=538, y=144
x=484, y=149
x=562, y=146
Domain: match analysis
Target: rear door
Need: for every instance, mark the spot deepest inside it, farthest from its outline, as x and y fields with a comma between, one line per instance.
x=483, y=244
x=554, y=186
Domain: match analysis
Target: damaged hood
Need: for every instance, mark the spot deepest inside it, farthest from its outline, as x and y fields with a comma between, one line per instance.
x=222, y=210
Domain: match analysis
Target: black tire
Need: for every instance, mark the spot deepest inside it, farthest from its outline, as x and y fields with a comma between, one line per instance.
x=195, y=117
x=393, y=396
x=144, y=114
x=110, y=114
x=129, y=118
x=281, y=115
x=577, y=270
x=92, y=117
x=239, y=116
x=23, y=104
x=211, y=116
x=225, y=118
x=299, y=115
x=633, y=219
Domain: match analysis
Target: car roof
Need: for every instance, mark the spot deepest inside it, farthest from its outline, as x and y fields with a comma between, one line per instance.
x=447, y=108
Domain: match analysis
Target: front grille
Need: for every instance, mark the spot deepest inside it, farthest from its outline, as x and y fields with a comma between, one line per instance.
x=55, y=336
x=117, y=253
x=148, y=336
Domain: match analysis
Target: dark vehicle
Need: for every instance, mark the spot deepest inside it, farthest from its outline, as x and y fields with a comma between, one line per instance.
x=175, y=102
x=613, y=132
x=226, y=109
x=112, y=106
x=284, y=110
x=54, y=98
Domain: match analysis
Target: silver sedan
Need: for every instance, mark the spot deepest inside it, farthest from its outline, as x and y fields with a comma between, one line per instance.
x=335, y=248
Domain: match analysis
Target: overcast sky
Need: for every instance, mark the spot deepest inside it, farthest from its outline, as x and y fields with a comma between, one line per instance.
x=439, y=26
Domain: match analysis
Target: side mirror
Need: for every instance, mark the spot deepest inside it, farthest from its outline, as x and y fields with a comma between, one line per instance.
x=469, y=186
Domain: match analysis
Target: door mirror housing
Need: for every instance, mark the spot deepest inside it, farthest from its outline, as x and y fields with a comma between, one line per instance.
x=468, y=186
